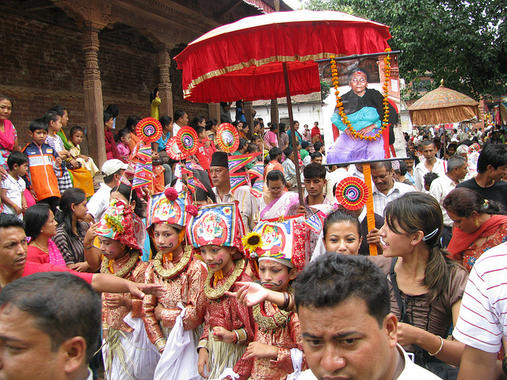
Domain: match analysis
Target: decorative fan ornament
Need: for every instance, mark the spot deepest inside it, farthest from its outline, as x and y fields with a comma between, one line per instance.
x=173, y=150
x=227, y=138
x=352, y=193
x=187, y=141
x=149, y=130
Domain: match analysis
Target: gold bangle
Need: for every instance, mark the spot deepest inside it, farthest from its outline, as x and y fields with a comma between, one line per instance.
x=439, y=348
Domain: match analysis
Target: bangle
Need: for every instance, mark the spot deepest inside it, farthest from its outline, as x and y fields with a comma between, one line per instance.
x=286, y=301
x=237, y=336
x=439, y=348
x=89, y=246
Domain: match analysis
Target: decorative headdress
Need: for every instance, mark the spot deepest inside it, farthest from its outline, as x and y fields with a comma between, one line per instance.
x=217, y=224
x=122, y=224
x=279, y=240
x=169, y=207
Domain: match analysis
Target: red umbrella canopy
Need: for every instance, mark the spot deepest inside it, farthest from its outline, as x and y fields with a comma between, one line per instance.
x=243, y=60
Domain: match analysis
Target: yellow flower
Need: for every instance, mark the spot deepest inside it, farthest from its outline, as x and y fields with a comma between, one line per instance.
x=251, y=241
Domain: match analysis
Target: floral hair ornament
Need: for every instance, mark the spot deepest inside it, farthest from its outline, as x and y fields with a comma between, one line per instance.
x=122, y=224
x=280, y=240
x=485, y=204
x=168, y=207
x=217, y=224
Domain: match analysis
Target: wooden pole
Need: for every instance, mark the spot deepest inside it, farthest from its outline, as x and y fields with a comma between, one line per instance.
x=370, y=214
x=293, y=134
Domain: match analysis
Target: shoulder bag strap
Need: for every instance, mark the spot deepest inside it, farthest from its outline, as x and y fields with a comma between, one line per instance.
x=396, y=290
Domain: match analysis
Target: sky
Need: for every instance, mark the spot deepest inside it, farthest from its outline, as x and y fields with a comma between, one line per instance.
x=294, y=4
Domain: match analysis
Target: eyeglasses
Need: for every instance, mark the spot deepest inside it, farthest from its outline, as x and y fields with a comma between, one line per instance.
x=358, y=80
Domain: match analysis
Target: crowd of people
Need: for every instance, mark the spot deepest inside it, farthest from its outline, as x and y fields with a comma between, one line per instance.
x=217, y=281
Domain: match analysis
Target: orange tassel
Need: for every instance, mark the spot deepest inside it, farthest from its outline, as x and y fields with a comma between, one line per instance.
x=217, y=276
x=166, y=257
x=110, y=266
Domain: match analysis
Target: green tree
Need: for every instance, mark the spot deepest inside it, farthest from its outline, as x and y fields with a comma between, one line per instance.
x=462, y=42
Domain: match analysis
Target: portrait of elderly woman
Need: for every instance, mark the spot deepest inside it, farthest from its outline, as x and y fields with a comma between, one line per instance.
x=364, y=109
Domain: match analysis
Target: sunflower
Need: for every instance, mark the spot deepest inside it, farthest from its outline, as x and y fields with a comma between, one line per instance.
x=251, y=241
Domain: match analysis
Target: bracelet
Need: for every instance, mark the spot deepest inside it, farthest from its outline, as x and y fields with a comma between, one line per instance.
x=237, y=336
x=286, y=301
x=89, y=246
x=439, y=348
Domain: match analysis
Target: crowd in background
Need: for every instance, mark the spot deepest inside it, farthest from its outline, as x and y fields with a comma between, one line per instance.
x=438, y=210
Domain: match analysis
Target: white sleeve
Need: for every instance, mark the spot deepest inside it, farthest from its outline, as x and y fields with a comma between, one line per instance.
x=96, y=206
x=419, y=180
x=478, y=326
x=436, y=191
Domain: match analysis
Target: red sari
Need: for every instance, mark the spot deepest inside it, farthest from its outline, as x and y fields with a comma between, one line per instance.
x=463, y=246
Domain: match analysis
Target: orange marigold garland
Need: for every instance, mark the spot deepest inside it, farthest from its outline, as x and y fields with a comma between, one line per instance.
x=385, y=102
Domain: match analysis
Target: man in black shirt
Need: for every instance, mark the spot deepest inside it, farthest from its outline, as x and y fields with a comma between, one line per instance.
x=491, y=168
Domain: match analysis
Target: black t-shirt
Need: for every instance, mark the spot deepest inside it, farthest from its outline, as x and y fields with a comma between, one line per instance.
x=497, y=192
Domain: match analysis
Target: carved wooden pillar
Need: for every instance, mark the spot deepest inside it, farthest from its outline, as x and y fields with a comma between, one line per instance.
x=93, y=103
x=214, y=111
x=275, y=116
x=165, y=86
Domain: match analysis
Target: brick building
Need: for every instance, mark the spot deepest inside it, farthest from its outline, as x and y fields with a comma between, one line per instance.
x=86, y=54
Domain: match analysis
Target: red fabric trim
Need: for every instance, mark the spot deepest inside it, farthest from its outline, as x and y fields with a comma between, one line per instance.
x=250, y=59
x=461, y=240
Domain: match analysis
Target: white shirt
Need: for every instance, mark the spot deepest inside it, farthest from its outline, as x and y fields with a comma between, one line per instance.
x=380, y=200
x=439, y=167
x=335, y=178
x=98, y=203
x=411, y=371
x=482, y=320
x=15, y=190
x=439, y=189
x=248, y=205
x=176, y=128
x=353, y=172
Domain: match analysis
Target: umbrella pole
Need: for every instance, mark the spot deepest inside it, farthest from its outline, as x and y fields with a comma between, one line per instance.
x=293, y=134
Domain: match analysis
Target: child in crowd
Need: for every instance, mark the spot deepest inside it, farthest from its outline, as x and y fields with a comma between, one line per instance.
x=41, y=160
x=76, y=138
x=174, y=266
x=203, y=153
x=279, y=248
x=217, y=230
x=314, y=183
x=123, y=140
x=428, y=179
x=342, y=233
x=13, y=186
x=120, y=246
x=54, y=122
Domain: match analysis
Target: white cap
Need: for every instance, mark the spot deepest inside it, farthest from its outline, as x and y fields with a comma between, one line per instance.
x=112, y=166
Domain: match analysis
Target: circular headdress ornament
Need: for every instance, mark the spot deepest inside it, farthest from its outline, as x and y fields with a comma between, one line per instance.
x=149, y=130
x=227, y=138
x=352, y=193
x=173, y=150
x=187, y=140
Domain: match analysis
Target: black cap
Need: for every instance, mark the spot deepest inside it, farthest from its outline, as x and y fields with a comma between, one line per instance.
x=220, y=159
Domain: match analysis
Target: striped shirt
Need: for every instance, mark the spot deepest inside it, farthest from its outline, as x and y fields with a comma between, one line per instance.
x=71, y=246
x=483, y=316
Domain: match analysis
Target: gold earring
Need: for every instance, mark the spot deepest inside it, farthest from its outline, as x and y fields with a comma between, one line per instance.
x=477, y=224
